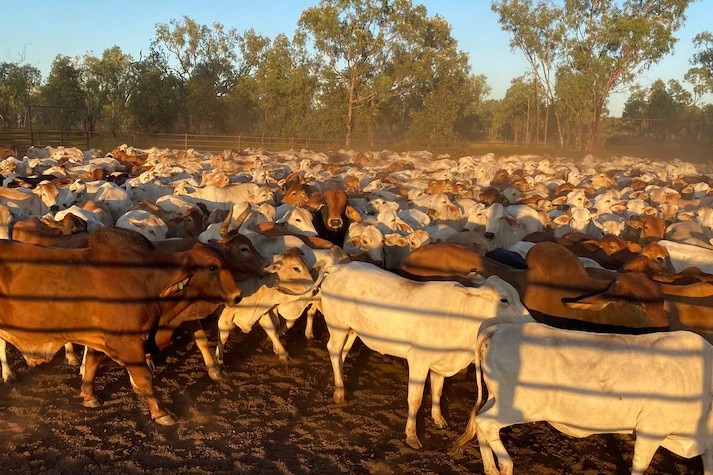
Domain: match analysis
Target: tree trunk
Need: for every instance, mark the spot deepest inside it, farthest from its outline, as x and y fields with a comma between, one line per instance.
x=537, y=112
x=560, y=132
x=596, y=125
x=350, y=109
x=547, y=123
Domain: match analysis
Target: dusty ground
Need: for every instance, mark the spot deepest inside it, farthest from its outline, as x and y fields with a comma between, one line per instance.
x=269, y=417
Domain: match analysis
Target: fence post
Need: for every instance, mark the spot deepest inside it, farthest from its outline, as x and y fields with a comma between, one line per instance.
x=238, y=143
x=185, y=141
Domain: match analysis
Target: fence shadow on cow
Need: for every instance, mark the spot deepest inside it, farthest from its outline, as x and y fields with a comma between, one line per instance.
x=193, y=396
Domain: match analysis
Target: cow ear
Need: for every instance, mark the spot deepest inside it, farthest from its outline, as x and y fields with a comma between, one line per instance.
x=176, y=287
x=274, y=267
x=476, y=278
x=352, y=214
x=562, y=219
x=394, y=239
x=591, y=303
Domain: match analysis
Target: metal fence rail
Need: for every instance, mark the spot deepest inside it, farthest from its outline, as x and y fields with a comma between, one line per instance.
x=23, y=139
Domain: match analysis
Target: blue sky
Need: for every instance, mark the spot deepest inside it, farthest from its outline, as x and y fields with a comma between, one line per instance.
x=46, y=28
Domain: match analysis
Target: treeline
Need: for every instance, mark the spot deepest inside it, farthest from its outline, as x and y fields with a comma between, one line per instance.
x=376, y=71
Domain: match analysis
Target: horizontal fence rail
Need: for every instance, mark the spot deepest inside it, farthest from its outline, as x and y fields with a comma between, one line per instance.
x=22, y=139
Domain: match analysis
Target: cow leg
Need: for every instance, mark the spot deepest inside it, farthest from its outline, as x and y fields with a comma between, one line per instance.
x=309, y=326
x=335, y=345
x=90, y=364
x=707, y=457
x=437, y=381
x=7, y=374
x=267, y=322
x=69, y=355
x=224, y=328
x=486, y=455
x=417, y=374
x=134, y=360
x=488, y=427
x=201, y=338
x=644, y=449
x=351, y=338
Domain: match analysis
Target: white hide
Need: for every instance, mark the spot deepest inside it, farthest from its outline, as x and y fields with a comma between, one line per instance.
x=656, y=386
x=433, y=325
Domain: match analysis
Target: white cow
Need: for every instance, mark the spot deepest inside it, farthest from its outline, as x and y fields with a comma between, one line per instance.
x=685, y=255
x=657, y=386
x=434, y=325
x=145, y=223
x=288, y=279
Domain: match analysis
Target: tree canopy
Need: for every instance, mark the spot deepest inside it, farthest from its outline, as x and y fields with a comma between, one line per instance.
x=382, y=71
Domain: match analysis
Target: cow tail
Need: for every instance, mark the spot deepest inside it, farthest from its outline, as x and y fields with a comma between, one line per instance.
x=471, y=428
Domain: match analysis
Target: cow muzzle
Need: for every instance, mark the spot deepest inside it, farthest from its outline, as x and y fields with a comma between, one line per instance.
x=335, y=224
x=489, y=236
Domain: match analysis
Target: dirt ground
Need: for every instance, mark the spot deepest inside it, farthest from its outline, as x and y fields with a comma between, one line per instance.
x=273, y=418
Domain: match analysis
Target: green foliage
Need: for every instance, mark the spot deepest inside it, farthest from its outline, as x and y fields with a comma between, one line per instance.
x=64, y=93
x=18, y=86
x=157, y=103
x=381, y=71
x=107, y=83
x=664, y=111
x=390, y=59
x=595, y=47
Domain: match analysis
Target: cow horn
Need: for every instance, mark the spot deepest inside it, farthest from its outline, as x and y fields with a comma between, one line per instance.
x=225, y=226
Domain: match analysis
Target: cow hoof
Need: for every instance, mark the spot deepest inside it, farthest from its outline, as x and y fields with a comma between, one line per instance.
x=284, y=357
x=74, y=362
x=440, y=423
x=339, y=397
x=166, y=420
x=413, y=442
x=9, y=379
x=215, y=374
x=94, y=402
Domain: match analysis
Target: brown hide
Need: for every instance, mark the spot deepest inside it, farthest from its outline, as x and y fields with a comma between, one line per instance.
x=554, y=274
x=114, y=297
x=67, y=233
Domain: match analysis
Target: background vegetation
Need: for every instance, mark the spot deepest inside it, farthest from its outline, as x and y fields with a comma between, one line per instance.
x=375, y=72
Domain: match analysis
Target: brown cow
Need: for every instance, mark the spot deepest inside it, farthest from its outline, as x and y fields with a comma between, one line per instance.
x=644, y=228
x=69, y=232
x=120, y=296
x=7, y=151
x=332, y=222
x=554, y=274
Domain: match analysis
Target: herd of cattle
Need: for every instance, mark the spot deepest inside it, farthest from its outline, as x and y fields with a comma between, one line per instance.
x=582, y=290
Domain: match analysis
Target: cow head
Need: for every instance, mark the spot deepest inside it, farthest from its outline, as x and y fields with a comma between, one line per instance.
x=336, y=208
x=203, y=275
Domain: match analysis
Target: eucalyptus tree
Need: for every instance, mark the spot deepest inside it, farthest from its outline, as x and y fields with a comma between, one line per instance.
x=285, y=87
x=376, y=51
x=64, y=95
x=538, y=32
x=700, y=76
x=600, y=45
x=514, y=117
x=19, y=84
x=205, y=59
x=156, y=103
x=107, y=81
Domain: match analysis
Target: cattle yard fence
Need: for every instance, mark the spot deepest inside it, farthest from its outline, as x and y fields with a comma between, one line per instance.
x=22, y=139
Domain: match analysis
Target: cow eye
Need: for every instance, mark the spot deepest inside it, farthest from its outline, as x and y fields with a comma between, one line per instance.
x=213, y=268
x=296, y=269
x=503, y=300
